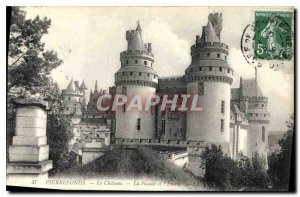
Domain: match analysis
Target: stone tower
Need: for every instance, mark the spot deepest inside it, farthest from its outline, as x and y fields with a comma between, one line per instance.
x=254, y=104
x=135, y=77
x=210, y=77
x=72, y=98
x=83, y=90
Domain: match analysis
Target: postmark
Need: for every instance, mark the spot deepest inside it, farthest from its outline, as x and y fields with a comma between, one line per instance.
x=268, y=41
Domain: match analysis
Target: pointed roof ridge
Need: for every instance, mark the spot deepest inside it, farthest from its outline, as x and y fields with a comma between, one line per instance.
x=136, y=43
x=71, y=86
x=138, y=27
x=211, y=35
x=83, y=86
x=251, y=88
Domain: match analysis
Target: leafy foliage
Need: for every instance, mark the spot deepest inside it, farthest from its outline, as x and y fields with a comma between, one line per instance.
x=29, y=65
x=29, y=68
x=224, y=173
x=218, y=167
x=280, y=163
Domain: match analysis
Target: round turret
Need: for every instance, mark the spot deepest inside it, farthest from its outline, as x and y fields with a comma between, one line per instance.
x=135, y=77
x=209, y=76
x=72, y=99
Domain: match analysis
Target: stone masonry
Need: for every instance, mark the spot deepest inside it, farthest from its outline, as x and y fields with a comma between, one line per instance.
x=29, y=153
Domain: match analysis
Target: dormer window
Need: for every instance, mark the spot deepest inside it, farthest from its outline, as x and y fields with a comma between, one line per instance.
x=218, y=55
x=145, y=62
x=220, y=69
x=210, y=68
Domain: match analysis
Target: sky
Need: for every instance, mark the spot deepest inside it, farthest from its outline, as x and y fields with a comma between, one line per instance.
x=89, y=41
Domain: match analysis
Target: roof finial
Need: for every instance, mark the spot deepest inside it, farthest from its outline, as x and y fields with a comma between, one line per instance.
x=138, y=28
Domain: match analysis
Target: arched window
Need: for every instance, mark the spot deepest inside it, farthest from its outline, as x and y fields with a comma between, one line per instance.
x=263, y=134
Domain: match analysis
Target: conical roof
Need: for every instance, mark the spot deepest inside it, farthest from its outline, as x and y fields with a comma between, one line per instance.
x=136, y=42
x=83, y=86
x=138, y=28
x=251, y=88
x=71, y=86
x=211, y=35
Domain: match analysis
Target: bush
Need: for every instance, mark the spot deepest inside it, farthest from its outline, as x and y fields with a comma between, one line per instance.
x=280, y=163
x=218, y=168
x=224, y=173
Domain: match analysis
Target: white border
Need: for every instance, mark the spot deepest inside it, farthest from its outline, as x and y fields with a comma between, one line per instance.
x=113, y=3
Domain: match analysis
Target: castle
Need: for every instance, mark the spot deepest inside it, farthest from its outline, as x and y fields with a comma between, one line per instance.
x=235, y=118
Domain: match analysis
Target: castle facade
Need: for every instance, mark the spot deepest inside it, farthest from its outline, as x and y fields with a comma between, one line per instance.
x=235, y=118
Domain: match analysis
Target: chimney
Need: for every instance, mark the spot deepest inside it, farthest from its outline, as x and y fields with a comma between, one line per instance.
x=149, y=48
x=96, y=86
x=76, y=85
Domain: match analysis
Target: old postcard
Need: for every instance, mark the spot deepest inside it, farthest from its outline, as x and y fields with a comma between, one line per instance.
x=150, y=98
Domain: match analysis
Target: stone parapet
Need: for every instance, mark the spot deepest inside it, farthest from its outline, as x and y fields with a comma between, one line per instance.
x=29, y=153
x=25, y=168
x=156, y=142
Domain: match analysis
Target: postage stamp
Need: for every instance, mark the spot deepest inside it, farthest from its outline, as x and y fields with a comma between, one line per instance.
x=273, y=35
x=268, y=41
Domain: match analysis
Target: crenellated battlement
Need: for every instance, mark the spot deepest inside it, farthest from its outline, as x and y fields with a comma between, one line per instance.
x=128, y=53
x=209, y=46
x=171, y=79
x=130, y=34
x=254, y=98
x=156, y=142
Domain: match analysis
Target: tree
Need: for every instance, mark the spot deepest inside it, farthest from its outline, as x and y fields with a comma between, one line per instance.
x=224, y=173
x=280, y=163
x=29, y=68
x=218, y=168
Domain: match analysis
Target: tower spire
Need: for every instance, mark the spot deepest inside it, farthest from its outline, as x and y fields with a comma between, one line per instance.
x=96, y=86
x=138, y=28
x=241, y=86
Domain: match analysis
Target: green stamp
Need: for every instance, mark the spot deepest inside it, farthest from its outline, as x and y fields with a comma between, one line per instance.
x=273, y=38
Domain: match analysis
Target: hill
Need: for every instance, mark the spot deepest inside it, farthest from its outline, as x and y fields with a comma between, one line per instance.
x=133, y=163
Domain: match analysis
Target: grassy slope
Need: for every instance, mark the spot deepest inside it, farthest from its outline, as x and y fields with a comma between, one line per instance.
x=138, y=162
